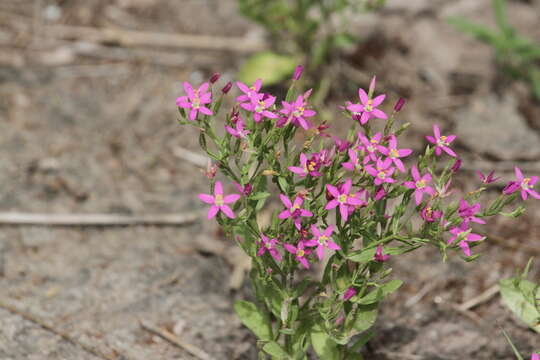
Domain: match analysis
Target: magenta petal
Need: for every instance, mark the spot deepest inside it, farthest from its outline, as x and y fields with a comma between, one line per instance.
x=378, y=100
x=332, y=245
x=343, y=211
x=355, y=108
x=415, y=173
x=209, y=199
x=212, y=211
x=304, y=212
x=404, y=152
x=418, y=197
x=363, y=96
x=284, y=214
x=331, y=204
x=231, y=198
x=436, y=131
x=261, y=251
x=379, y=114
x=320, y=252
x=285, y=200
x=534, y=194
x=303, y=261
x=347, y=186
x=297, y=170
x=465, y=247
x=218, y=189
x=193, y=114
x=364, y=118
x=431, y=139
x=519, y=174
x=290, y=248
x=333, y=190
x=188, y=89
x=449, y=151
x=275, y=254
x=205, y=110
x=227, y=211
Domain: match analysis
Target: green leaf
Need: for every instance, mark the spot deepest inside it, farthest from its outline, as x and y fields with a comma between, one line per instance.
x=365, y=317
x=481, y=32
x=363, y=256
x=519, y=295
x=259, y=196
x=274, y=349
x=362, y=340
x=283, y=183
x=271, y=67
x=254, y=319
x=379, y=293
x=323, y=345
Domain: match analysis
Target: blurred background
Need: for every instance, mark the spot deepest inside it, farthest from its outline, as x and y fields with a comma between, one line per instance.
x=88, y=125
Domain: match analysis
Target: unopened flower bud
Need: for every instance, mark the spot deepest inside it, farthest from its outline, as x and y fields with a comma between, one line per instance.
x=399, y=105
x=298, y=72
x=457, y=165
x=214, y=78
x=227, y=88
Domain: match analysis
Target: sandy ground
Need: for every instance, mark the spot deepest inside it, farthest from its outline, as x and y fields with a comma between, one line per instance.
x=87, y=133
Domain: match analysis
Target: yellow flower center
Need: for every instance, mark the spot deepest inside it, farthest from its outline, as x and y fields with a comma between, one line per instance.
x=420, y=184
x=219, y=200
x=323, y=239
x=381, y=175
x=300, y=253
x=311, y=165
x=342, y=198
x=394, y=153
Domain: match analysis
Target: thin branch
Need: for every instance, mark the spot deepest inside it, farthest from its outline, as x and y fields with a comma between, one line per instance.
x=173, y=339
x=130, y=38
x=16, y=218
x=40, y=322
x=482, y=298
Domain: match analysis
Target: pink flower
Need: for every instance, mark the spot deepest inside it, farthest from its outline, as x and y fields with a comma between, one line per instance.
x=467, y=212
x=309, y=167
x=467, y=237
x=525, y=183
x=379, y=257
x=399, y=105
x=382, y=171
x=430, y=215
x=270, y=246
x=300, y=253
x=298, y=72
x=195, y=100
x=368, y=106
x=441, y=142
x=487, y=179
x=293, y=210
x=244, y=190
x=394, y=153
x=342, y=198
x=354, y=164
x=296, y=112
x=342, y=145
x=535, y=356
x=349, y=293
x=250, y=92
x=259, y=107
x=219, y=202
x=238, y=131
x=371, y=146
x=420, y=185
x=322, y=240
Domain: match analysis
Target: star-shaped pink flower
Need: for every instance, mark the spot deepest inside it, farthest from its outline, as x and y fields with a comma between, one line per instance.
x=219, y=202
x=195, y=100
x=420, y=185
x=322, y=240
x=441, y=142
x=300, y=253
x=461, y=230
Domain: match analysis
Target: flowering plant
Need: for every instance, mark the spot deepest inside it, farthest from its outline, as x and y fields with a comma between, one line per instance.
x=345, y=205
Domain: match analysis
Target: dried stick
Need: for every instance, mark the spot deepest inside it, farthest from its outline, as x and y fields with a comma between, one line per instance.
x=40, y=322
x=15, y=218
x=173, y=339
x=130, y=38
x=483, y=297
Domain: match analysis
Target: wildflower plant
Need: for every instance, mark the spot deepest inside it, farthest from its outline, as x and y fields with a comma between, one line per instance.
x=342, y=205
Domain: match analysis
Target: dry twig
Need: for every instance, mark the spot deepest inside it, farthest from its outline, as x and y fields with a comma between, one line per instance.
x=40, y=322
x=15, y=218
x=173, y=339
x=130, y=38
x=483, y=297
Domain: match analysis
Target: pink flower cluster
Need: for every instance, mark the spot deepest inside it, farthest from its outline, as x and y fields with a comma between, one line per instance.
x=373, y=157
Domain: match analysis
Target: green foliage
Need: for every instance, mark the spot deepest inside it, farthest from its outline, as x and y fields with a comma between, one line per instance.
x=516, y=55
x=271, y=67
x=308, y=31
x=254, y=318
x=522, y=297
